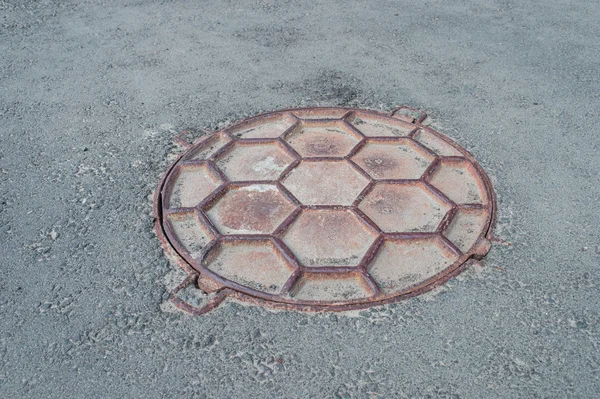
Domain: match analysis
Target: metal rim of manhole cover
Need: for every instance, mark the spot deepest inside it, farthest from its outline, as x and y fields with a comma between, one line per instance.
x=323, y=208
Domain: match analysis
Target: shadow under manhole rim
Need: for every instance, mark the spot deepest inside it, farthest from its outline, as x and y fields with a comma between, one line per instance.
x=323, y=209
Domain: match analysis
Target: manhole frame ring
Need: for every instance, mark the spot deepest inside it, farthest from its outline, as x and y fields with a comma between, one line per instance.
x=233, y=290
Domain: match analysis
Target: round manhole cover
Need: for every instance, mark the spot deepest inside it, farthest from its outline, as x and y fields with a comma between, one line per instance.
x=323, y=209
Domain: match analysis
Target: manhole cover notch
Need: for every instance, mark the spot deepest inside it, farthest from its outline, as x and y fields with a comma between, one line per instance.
x=323, y=209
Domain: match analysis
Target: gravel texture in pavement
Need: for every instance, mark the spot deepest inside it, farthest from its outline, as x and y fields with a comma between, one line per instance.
x=92, y=94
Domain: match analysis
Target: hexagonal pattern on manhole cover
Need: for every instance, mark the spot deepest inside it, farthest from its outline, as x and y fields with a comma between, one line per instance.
x=323, y=209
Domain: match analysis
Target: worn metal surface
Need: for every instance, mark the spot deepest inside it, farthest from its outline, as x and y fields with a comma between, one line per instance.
x=323, y=209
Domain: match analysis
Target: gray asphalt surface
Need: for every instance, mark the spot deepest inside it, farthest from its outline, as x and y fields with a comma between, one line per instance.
x=92, y=95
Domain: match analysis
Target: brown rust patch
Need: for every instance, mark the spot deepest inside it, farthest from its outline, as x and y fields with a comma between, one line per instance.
x=393, y=160
x=329, y=238
x=252, y=209
x=325, y=182
x=402, y=208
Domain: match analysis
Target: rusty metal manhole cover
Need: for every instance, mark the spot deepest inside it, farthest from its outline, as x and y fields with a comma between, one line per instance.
x=323, y=209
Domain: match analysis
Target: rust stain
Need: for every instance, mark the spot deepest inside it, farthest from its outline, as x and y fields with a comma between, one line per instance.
x=380, y=165
x=252, y=209
x=323, y=146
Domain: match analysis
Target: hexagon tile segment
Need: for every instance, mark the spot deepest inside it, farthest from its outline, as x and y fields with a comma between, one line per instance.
x=380, y=126
x=466, y=227
x=331, y=287
x=256, y=264
x=207, y=147
x=403, y=263
x=328, y=237
x=404, y=208
x=401, y=160
x=263, y=127
x=191, y=233
x=192, y=184
x=436, y=144
x=322, y=139
x=325, y=183
x=252, y=209
x=249, y=161
x=459, y=181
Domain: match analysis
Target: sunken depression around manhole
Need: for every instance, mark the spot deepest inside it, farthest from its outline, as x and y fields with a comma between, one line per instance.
x=323, y=209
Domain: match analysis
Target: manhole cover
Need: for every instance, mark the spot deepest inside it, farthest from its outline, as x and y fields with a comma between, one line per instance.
x=323, y=209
